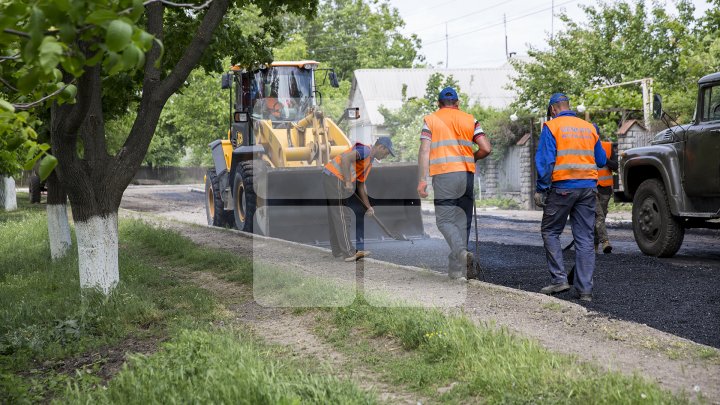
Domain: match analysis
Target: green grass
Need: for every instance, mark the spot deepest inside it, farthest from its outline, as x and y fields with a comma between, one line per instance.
x=619, y=207
x=502, y=203
x=488, y=364
x=218, y=367
x=43, y=318
x=45, y=321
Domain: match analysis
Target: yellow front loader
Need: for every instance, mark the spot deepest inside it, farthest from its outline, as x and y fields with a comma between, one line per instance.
x=267, y=171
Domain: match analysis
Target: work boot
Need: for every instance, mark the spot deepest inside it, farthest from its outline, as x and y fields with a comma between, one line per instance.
x=606, y=247
x=468, y=259
x=358, y=255
x=587, y=297
x=555, y=288
x=456, y=275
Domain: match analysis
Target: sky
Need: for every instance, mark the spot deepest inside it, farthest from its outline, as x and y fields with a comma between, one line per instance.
x=476, y=32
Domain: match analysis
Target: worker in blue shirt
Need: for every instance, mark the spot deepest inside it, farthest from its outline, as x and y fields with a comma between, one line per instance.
x=567, y=160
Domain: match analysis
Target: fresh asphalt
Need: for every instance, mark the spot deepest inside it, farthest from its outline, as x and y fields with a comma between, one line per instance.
x=680, y=296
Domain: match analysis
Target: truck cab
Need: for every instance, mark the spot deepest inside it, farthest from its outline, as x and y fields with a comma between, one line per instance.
x=674, y=183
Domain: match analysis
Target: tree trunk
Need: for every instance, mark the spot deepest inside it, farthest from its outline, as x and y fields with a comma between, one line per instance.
x=95, y=181
x=8, y=197
x=98, y=252
x=58, y=225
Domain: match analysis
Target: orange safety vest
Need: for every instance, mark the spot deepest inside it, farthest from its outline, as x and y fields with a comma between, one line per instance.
x=575, y=157
x=605, y=176
x=452, y=140
x=362, y=166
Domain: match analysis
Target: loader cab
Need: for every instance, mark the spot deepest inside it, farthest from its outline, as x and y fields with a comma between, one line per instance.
x=282, y=92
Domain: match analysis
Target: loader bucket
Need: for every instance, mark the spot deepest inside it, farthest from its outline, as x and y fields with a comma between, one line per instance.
x=292, y=204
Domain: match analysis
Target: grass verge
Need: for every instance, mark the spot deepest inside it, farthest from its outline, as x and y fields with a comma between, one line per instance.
x=450, y=359
x=53, y=339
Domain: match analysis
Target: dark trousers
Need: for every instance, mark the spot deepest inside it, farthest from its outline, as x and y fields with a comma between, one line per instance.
x=601, y=209
x=454, y=199
x=579, y=203
x=340, y=213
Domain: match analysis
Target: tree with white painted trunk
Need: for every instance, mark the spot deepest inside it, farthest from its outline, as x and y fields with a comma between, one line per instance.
x=8, y=198
x=109, y=53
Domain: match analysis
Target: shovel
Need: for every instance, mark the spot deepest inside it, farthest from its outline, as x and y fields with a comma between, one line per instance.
x=382, y=226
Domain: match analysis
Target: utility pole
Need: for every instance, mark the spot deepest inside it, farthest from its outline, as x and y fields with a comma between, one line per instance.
x=647, y=96
x=507, y=55
x=552, y=20
x=447, y=52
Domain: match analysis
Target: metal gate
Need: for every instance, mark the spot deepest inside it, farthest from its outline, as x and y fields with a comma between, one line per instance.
x=509, y=170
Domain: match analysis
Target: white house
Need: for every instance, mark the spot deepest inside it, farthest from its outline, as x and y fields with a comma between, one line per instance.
x=372, y=88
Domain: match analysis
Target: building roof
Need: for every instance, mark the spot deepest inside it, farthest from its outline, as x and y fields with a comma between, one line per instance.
x=383, y=87
x=625, y=127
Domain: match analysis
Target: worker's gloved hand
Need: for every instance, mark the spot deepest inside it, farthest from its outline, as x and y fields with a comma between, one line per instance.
x=349, y=186
x=370, y=212
x=540, y=198
x=422, y=189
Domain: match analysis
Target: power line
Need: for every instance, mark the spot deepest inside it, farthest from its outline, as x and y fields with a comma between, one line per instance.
x=464, y=16
x=422, y=10
x=486, y=27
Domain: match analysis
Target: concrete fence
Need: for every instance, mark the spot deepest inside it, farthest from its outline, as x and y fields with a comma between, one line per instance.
x=149, y=175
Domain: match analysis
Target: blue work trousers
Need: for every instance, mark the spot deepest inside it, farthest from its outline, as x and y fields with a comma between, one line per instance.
x=579, y=203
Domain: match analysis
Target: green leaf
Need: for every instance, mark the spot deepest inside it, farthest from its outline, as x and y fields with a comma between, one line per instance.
x=47, y=165
x=67, y=33
x=14, y=141
x=98, y=17
x=32, y=158
x=28, y=81
x=118, y=35
x=162, y=52
x=95, y=58
x=145, y=39
x=69, y=92
x=6, y=106
x=50, y=52
x=74, y=66
x=131, y=57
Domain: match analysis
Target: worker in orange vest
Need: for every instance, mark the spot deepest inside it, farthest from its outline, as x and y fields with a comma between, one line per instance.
x=446, y=153
x=605, y=192
x=343, y=174
x=567, y=160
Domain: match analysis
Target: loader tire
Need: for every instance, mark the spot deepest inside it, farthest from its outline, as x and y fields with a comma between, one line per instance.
x=244, y=197
x=34, y=189
x=214, y=207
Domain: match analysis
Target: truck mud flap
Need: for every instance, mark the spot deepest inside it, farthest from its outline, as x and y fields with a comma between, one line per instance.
x=292, y=204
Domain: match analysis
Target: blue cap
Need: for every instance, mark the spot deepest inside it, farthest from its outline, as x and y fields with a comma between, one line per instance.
x=386, y=142
x=558, y=97
x=448, y=93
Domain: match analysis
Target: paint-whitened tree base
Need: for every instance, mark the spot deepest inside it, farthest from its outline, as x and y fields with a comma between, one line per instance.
x=8, y=197
x=58, y=230
x=97, y=241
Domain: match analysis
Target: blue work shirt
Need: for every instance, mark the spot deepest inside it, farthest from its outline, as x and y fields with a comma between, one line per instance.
x=363, y=151
x=545, y=161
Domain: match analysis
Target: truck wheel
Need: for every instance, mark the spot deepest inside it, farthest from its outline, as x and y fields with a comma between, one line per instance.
x=244, y=197
x=34, y=189
x=214, y=208
x=657, y=232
